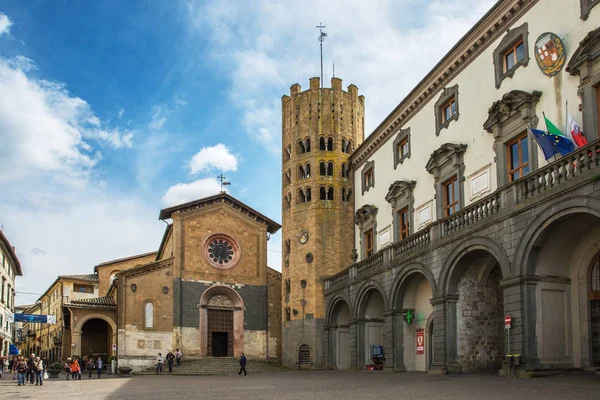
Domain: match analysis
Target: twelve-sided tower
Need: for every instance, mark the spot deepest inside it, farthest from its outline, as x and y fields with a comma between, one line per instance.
x=321, y=127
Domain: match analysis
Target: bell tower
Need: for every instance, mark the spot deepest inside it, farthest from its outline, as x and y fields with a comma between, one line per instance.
x=320, y=129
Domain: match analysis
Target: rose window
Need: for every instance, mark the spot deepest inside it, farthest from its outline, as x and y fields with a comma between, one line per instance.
x=221, y=251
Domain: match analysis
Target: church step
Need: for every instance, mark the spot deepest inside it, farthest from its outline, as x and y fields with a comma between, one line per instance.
x=217, y=366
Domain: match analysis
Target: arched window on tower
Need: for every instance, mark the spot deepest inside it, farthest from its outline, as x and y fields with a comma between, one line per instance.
x=287, y=177
x=149, y=315
x=344, y=145
x=322, y=168
x=301, y=198
x=344, y=170
x=349, y=147
x=330, y=193
x=287, y=153
x=287, y=201
x=330, y=144
x=330, y=168
x=301, y=172
x=322, y=144
x=322, y=193
x=307, y=144
x=307, y=170
x=301, y=147
x=346, y=195
x=307, y=194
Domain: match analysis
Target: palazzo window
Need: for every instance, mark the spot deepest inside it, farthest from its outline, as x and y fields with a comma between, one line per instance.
x=149, y=315
x=451, y=196
x=518, y=157
x=511, y=53
x=403, y=224
x=401, y=147
x=83, y=288
x=446, y=108
x=368, y=176
x=366, y=219
x=368, y=242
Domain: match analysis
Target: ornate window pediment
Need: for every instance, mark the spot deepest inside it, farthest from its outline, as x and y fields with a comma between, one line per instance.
x=401, y=146
x=448, y=98
x=517, y=103
x=400, y=191
x=365, y=215
x=586, y=53
x=367, y=175
x=448, y=155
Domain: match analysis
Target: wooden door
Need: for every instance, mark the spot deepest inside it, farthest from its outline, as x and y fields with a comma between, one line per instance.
x=220, y=322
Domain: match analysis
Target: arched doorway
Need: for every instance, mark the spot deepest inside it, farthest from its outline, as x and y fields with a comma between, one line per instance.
x=370, y=324
x=221, y=322
x=562, y=254
x=413, y=295
x=475, y=335
x=339, y=335
x=594, y=299
x=96, y=339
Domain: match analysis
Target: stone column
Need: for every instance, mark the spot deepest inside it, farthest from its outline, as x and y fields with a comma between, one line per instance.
x=388, y=339
x=444, y=335
x=360, y=344
x=353, y=343
x=76, y=338
x=451, y=332
x=398, y=323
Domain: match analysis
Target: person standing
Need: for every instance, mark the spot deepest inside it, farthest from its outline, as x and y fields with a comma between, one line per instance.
x=178, y=356
x=75, y=369
x=242, y=365
x=12, y=366
x=99, y=366
x=159, y=363
x=21, y=369
x=67, y=367
x=90, y=367
x=170, y=357
x=39, y=371
x=30, y=368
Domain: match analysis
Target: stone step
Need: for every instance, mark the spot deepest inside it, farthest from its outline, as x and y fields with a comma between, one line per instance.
x=217, y=366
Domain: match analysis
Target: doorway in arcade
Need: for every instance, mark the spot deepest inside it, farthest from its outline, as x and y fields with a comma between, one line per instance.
x=96, y=336
x=416, y=297
x=371, y=310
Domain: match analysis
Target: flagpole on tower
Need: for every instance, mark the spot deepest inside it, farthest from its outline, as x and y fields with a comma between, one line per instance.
x=322, y=37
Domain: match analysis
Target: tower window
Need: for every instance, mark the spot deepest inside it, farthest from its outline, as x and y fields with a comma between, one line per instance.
x=344, y=170
x=329, y=144
x=330, y=168
x=304, y=146
x=346, y=195
x=322, y=168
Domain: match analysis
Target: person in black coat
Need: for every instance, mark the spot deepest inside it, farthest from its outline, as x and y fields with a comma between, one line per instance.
x=242, y=365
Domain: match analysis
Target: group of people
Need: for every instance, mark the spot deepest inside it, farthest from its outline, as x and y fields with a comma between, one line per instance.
x=170, y=359
x=32, y=369
x=73, y=368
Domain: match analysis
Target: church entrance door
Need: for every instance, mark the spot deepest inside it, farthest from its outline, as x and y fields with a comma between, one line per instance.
x=220, y=333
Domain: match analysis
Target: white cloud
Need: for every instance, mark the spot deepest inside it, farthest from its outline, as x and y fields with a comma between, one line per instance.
x=5, y=24
x=216, y=157
x=385, y=49
x=184, y=192
x=158, y=117
x=121, y=112
x=44, y=128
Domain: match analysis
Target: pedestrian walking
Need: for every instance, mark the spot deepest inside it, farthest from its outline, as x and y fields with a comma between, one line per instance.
x=99, y=366
x=159, y=363
x=242, y=365
x=39, y=371
x=90, y=366
x=67, y=367
x=2, y=365
x=12, y=366
x=75, y=369
x=22, y=370
x=170, y=357
x=178, y=357
x=30, y=368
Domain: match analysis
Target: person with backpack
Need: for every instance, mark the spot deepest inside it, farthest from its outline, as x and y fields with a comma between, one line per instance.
x=90, y=366
x=22, y=370
x=39, y=368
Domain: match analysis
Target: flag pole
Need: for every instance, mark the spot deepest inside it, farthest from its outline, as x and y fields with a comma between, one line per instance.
x=567, y=117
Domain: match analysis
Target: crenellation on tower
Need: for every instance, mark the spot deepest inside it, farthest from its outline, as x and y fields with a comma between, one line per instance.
x=319, y=132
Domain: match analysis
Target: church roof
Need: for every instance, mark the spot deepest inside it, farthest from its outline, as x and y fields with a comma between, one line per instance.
x=94, y=302
x=118, y=260
x=222, y=197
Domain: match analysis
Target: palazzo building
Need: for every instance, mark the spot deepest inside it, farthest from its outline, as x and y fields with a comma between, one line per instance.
x=10, y=268
x=459, y=218
x=207, y=291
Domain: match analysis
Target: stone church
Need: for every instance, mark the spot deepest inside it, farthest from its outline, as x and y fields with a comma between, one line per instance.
x=207, y=291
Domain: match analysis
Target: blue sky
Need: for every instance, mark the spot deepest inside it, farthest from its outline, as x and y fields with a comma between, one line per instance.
x=112, y=110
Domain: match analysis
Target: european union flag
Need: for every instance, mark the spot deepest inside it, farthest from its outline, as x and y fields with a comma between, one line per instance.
x=552, y=144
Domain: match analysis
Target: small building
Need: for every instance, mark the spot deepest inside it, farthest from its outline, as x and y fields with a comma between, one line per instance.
x=10, y=268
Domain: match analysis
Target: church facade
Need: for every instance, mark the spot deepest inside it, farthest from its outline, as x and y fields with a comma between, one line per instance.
x=461, y=219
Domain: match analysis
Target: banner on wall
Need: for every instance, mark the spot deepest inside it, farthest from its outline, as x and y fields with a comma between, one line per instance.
x=420, y=341
x=43, y=319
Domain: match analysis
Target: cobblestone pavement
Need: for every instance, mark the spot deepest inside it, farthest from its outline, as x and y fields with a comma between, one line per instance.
x=311, y=385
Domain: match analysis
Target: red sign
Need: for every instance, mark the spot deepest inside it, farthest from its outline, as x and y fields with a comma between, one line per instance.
x=420, y=341
x=507, y=320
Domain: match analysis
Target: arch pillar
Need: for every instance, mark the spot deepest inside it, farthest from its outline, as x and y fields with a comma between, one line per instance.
x=444, y=335
x=76, y=338
x=388, y=339
x=398, y=346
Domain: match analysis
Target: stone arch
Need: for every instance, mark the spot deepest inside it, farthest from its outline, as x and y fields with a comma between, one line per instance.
x=338, y=333
x=76, y=332
x=561, y=208
x=237, y=345
x=405, y=273
x=366, y=288
x=333, y=304
x=449, y=273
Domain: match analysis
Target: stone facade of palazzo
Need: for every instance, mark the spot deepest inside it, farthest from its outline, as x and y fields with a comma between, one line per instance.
x=459, y=218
